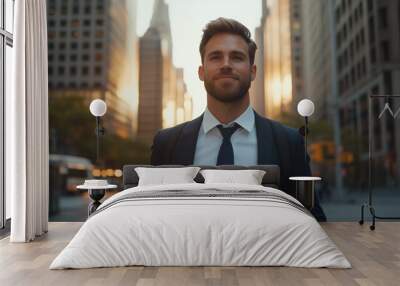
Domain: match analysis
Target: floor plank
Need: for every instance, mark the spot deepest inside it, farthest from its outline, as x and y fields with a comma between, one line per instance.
x=374, y=255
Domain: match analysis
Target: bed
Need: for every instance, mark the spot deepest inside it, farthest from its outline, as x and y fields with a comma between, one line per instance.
x=201, y=224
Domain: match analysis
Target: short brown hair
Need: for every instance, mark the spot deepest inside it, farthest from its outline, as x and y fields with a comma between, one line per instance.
x=230, y=26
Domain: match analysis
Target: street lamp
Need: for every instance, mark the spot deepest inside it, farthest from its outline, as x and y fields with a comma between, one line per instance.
x=305, y=108
x=98, y=108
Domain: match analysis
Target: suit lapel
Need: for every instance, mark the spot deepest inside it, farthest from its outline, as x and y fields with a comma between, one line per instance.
x=266, y=146
x=185, y=148
x=186, y=143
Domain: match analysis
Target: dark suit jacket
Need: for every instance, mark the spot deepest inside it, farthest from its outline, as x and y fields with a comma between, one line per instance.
x=276, y=143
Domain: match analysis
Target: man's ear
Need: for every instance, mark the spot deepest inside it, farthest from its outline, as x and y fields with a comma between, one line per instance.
x=200, y=72
x=253, y=72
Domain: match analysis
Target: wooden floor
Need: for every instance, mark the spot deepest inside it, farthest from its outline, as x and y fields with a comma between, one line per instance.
x=374, y=255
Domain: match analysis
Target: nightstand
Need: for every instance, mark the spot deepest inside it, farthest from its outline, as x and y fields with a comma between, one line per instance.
x=96, y=193
x=305, y=187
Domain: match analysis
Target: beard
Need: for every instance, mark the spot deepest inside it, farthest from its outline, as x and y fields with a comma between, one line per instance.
x=229, y=92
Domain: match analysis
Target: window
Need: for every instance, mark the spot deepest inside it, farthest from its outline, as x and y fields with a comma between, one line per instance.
x=383, y=21
x=72, y=70
x=344, y=33
x=385, y=51
x=75, y=23
x=61, y=71
x=75, y=34
x=86, y=45
x=100, y=9
x=370, y=5
x=373, y=55
x=6, y=45
x=337, y=14
x=98, y=57
x=364, y=66
x=64, y=10
x=97, y=70
x=51, y=34
x=85, y=57
x=362, y=36
x=371, y=29
x=75, y=9
x=86, y=23
x=99, y=34
x=352, y=48
x=85, y=70
x=87, y=10
x=350, y=22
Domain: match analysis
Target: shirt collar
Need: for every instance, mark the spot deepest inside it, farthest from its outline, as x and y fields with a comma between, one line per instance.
x=245, y=120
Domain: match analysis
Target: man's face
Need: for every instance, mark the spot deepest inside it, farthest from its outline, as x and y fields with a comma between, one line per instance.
x=226, y=69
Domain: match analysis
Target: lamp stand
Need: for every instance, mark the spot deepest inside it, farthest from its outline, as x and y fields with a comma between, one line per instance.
x=99, y=132
x=305, y=138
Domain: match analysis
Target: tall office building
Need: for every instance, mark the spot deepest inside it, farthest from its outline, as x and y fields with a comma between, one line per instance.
x=181, y=93
x=368, y=62
x=150, y=85
x=283, y=57
x=319, y=77
x=317, y=56
x=161, y=86
x=93, y=52
x=257, y=96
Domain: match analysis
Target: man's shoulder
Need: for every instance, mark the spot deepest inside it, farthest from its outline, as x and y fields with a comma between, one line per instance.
x=171, y=132
x=292, y=134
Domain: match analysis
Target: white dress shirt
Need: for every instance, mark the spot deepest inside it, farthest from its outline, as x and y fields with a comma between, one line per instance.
x=244, y=140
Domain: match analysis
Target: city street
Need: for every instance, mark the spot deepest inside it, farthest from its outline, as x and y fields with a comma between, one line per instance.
x=74, y=207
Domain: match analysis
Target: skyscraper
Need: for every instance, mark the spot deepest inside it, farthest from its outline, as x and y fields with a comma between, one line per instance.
x=92, y=52
x=363, y=60
x=317, y=55
x=283, y=60
x=368, y=62
x=257, y=96
x=162, y=89
x=150, y=85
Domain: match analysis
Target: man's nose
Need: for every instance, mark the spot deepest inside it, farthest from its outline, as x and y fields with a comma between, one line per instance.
x=226, y=63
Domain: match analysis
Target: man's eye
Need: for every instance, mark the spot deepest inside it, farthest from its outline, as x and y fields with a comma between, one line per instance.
x=238, y=58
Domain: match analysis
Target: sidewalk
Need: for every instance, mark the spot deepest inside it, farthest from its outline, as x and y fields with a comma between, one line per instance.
x=386, y=203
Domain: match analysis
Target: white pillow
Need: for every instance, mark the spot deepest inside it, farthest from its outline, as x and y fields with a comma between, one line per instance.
x=248, y=177
x=163, y=176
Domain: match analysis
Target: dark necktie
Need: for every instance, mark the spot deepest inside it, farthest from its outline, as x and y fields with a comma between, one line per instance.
x=225, y=154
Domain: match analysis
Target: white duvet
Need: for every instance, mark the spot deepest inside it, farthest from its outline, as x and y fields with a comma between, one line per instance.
x=200, y=231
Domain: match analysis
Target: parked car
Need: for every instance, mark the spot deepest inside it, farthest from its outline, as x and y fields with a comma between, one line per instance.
x=66, y=172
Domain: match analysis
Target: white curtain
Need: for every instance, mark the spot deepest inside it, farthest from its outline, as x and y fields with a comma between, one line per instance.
x=27, y=149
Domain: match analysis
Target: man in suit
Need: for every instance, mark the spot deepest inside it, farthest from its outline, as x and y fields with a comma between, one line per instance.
x=230, y=131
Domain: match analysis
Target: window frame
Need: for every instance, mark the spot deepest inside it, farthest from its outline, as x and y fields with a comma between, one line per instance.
x=6, y=39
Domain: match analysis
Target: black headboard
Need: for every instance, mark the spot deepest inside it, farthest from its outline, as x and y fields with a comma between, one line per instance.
x=270, y=179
